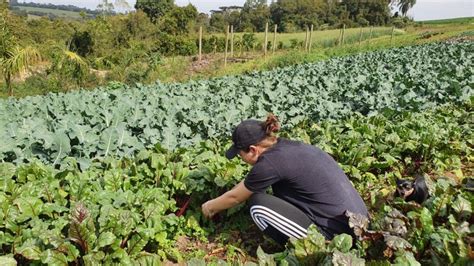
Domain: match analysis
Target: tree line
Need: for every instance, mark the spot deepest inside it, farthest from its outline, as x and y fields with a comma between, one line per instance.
x=289, y=15
x=130, y=47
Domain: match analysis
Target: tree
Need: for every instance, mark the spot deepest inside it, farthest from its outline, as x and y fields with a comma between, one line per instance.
x=178, y=19
x=405, y=5
x=155, y=9
x=217, y=22
x=293, y=15
x=255, y=13
x=14, y=59
x=105, y=7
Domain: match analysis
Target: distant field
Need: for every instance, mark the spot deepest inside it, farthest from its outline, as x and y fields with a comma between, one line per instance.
x=56, y=12
x=325, y=38
x=451, y=20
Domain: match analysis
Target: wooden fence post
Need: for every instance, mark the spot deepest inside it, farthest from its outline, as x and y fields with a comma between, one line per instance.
x=274, y=38
x=340, y=37
x=370, y=35
x=266, y=40
x=343, y=33
x=241, y=42
x=231, y=40
x=200, y=43
x=306, y=40
x=360, y=36
x=391, y=36
x=310, y=38
x=226, y=45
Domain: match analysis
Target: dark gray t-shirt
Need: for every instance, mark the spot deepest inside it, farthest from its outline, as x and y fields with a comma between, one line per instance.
x=311, y=180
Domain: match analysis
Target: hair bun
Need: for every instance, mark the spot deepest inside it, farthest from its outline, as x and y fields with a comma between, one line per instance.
x=271, y=124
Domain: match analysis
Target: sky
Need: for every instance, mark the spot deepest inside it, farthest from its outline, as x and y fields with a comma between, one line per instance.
x=423, y=9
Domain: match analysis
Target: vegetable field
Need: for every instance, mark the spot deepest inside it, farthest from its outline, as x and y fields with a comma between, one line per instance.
x=120, y=121
x=117, y=175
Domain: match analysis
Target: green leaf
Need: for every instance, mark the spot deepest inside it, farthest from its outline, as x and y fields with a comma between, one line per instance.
x=461, y=205
x=405, y=259
x=54, y=258
x=94, y=258
x=29, y=207
x=358, y=222
x=343, y=259
x=82, y=229
x=396, y=243
x=136, y=244
x=299, y=246
x=105, y=239
x=61, y=146
x=342, y=242
x=148, y=259
x=7, y=170
x=264, y=258
x=30, y=251
x=194, y=262
x=316, y=239
x=426, y=221
x=7, y=261
x=69, y=250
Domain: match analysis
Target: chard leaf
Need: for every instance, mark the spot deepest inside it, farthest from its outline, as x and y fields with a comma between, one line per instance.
x=105, y=239
x=29, y=207
x=426, y=221
x=81, y=230
x=358, y=222
x=343, y=259
x=342, y=242
x=30, y=251
x=264, y=258
x=396, y=243
x=7, y=170
x=148, y=259
x=461, y=205
x=136, y=244
x=7, y=261
x=53, y=257
x=94, y=258
x=405, y=259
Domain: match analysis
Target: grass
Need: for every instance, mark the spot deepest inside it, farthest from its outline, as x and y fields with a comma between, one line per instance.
x=56, y=12
x=323, y=38
x=464, y=20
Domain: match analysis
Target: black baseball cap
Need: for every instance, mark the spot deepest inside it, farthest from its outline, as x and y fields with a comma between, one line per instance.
x=248, y=132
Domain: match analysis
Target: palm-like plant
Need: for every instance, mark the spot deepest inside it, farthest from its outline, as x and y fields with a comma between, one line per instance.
x=14, y=59
x=69, y=64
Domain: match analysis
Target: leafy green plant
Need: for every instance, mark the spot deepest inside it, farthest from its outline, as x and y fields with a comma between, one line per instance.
x=94, y=124
x=133, y=210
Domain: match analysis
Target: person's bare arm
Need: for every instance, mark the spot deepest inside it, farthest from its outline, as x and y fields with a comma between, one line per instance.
x=231, y=198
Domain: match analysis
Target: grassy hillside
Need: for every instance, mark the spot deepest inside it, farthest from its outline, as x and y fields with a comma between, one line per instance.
x=465, y=20
x=56, y=12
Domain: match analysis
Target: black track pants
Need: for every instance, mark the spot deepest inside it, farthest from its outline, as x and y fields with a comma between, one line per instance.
x=277, y=218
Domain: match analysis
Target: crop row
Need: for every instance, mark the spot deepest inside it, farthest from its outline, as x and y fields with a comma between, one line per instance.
x=133, y=210
x=90, y=125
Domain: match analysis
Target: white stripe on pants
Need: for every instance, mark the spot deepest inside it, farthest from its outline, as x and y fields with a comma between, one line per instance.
x=264, y=216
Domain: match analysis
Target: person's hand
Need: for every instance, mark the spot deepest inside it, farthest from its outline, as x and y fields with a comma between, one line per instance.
x=206, y=210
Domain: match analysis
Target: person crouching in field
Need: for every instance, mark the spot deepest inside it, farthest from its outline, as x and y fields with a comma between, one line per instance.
x=308, y=185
